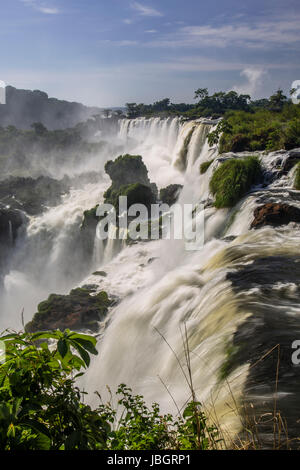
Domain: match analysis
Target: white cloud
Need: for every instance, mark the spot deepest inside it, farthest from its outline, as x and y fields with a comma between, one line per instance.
x=151, y=31
x=144, y=10
x=48, y=11
x=121, y=43
x=41, y=7
x=282, y=31
x=254, y=81
x=128, y=21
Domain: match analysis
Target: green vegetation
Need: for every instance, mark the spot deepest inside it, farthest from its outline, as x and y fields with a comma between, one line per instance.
x=170, y=194
x=233, y=179
x=90, y=217
x=264, y=124
x=41, y=408
x=274, y=126
x=230, y=362
x=212, y=106
x=205, y=166
x=127, y=169
x=297, y=177
x=129, y=176
x=136, y=193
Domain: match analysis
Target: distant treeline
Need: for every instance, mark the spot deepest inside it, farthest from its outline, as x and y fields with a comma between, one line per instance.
x=213, y=106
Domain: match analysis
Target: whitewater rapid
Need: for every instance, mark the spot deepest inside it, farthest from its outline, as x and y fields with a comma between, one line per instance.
x=161, y=288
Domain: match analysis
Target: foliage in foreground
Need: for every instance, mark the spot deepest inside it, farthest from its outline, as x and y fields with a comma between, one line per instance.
x=233, y=179
x=41, y=408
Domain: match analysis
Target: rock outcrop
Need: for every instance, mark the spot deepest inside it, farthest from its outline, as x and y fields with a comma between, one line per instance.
x=275, y=214
x=170, y=194
x=291, y=160
x=32, y=195
x=81, y=309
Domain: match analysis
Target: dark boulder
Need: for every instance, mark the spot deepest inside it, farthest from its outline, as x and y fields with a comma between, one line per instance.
x=169, y=195
x=32, y=195
x=81, y=309
x=10, y=222
x=127, y=169
x=291, y=160
x=275, y=214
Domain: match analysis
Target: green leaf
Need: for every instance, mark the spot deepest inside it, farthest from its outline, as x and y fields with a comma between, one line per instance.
x=36, y=426
x=89, y=338
x=73, y=440
x=85, y=356
x=62, y=347
x=86, y=344
x=42, y=442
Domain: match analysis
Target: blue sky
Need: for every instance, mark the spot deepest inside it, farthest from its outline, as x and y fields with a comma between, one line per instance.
x=109, y=52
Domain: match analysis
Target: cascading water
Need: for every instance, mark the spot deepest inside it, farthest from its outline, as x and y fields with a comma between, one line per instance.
x=235, y=289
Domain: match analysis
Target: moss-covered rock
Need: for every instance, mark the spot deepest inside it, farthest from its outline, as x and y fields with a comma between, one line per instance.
x=127, y=169
x=233, y=179
x=90, y=218
x=170, y=194
x=100, y=273
x=205, y=166
x=80, y=309
x=32, y=195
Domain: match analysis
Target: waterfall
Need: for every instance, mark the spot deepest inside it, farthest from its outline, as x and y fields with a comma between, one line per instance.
x=236, y=294
x=10, y=233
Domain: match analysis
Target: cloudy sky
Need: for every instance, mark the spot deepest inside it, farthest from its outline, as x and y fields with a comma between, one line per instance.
x=109, y=52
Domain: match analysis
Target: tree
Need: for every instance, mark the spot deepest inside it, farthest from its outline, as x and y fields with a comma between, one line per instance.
x=162, y=105
x=39, y=128
x=107, y=113
x=132, y=110
x=200, y=94
x=277, y=100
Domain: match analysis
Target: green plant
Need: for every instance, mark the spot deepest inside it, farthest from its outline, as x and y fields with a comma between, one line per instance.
x=204, y=166
x=40, y=406
x=233, y=179
x=142, y=428
x=297, y=177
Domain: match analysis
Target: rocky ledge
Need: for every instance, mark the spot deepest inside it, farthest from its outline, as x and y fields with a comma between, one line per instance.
x=81, y=309
x=275, y=214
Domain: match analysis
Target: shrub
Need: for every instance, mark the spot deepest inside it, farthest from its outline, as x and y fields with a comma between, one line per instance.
x=41, y=407
x=205, y=166
x=261, y=129
x=170, y=194
x=233, y=179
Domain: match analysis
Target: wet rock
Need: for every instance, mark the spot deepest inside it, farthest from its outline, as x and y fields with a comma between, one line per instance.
x=127, y=169
x=291, y=160
x=275, y=214
x=100, y=273
x=32, y=195
x=169, y=195
x=10, y=221
x=79, y=310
